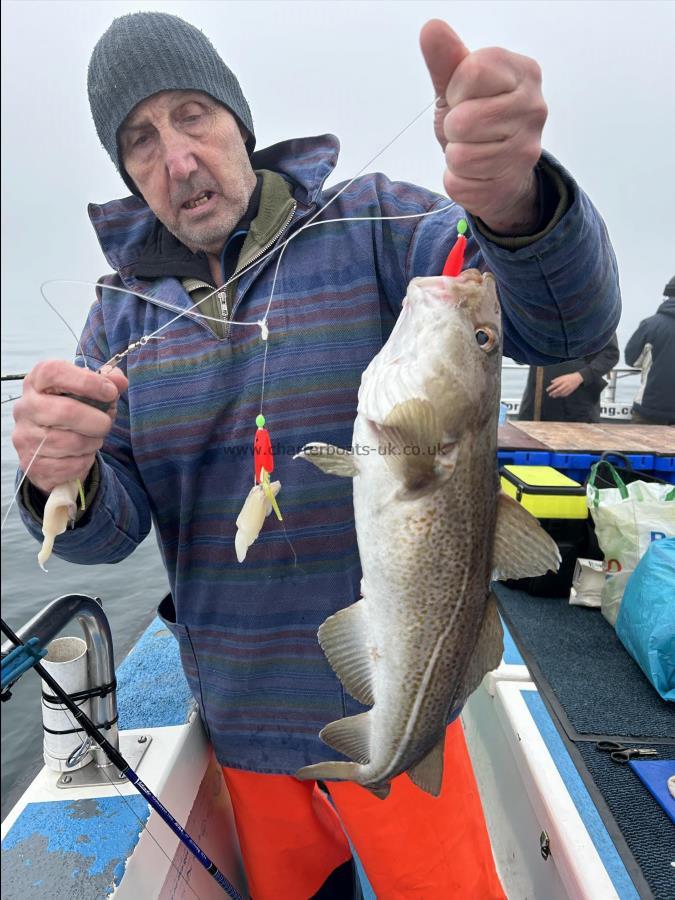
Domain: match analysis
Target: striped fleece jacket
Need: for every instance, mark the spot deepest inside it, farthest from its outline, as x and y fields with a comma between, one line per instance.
x=180, y=451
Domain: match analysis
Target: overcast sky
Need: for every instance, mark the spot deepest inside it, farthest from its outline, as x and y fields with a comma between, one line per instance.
x=354, y=69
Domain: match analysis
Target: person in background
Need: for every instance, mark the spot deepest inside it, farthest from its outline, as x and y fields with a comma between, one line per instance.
x=655, y=339
x=179, y=130
x=570, y=390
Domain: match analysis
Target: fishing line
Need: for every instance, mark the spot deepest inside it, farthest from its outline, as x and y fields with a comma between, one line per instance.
x=145, y=828
x=77, y=339
x=312, y=224
x=191, y=311
x=124, y=290
x=23, y=478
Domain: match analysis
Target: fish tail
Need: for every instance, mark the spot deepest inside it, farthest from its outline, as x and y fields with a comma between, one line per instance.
x=330, y=771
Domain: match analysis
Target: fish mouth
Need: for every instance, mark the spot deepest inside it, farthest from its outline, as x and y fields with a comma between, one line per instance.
x=473, y=276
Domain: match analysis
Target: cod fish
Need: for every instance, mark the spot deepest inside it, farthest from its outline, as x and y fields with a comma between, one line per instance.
x=433, y=529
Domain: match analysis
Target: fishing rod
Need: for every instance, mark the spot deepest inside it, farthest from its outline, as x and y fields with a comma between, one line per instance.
x=125, y=769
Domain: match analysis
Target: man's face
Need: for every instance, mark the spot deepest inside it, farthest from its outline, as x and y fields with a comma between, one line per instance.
x=186, y=155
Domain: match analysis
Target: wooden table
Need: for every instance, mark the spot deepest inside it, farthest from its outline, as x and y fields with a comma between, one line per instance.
x=510, y=437
x=579, y=437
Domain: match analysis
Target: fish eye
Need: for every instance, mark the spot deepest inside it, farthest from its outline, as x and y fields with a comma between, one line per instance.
x=485, y=338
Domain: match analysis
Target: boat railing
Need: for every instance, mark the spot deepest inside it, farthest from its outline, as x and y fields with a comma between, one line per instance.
x=611, y=408
x=46, y=624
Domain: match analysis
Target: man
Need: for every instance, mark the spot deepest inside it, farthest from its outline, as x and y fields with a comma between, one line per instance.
x=177, y=126
x=655, y=339
x=570, y=391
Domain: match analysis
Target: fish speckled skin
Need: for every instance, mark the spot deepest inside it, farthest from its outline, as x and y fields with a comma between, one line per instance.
x=432, y=526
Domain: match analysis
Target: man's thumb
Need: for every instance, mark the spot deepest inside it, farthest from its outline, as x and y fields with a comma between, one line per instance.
x=117, y=377
x=443, y=51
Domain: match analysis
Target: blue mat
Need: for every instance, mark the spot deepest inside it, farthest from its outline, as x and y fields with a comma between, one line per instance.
x=654, y=774
x=584, y=671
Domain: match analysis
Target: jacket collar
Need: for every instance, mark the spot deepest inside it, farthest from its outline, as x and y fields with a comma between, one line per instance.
x=163, y=254
x=123, y=227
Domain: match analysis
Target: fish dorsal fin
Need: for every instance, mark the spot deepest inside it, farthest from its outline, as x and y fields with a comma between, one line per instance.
x=344, y=640
x=521, y=548
x=330, y=459
x=414, y=433
x=486, y=655
x=350, y=736
x=427, y=774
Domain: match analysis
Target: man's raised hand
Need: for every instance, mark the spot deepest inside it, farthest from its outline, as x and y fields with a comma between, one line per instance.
x=489, y=120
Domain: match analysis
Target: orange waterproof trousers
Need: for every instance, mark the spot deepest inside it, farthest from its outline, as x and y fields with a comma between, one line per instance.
x=412, y=846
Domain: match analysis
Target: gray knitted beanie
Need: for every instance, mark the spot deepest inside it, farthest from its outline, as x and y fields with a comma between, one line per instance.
x=146, y=52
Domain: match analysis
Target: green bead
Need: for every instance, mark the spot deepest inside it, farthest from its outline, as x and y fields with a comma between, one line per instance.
x=260, y=421
x=462, y=225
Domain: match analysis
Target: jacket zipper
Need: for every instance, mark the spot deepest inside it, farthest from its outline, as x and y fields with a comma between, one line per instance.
x=228, y=294
x=222, y=298
x=223, y=295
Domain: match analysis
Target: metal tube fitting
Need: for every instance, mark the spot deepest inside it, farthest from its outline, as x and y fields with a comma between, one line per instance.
x=101, y=662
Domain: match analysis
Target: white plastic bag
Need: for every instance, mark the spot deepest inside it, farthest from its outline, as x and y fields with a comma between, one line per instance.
x=587, y=583
x=627, y=519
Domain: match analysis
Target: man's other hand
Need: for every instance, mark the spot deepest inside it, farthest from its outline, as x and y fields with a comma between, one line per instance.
x=489, y=119
x=74, y=430
x=564, y=385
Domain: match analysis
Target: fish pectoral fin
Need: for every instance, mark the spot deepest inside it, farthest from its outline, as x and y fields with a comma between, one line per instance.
x=427, y=774
x=330, y=771
x=330, y=459
x=521, y=547
x=344, y=640
x=486, y=656
x=381, y=791
x=341, y=771
x=350, y=736
x=412, y=437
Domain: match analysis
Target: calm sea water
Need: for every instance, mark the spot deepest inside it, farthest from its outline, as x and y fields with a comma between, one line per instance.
x=130, y=590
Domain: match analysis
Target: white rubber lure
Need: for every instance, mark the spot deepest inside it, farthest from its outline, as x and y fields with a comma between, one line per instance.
x=252, y=516
x=60, y=511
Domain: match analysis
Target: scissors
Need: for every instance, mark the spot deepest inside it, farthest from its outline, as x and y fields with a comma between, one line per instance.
x=622, y=754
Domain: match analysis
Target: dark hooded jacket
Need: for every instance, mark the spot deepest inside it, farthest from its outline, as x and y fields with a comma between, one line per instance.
x=658, y=399
x=583, y=405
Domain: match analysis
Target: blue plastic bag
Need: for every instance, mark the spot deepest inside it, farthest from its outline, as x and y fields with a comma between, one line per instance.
x=646, y=621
